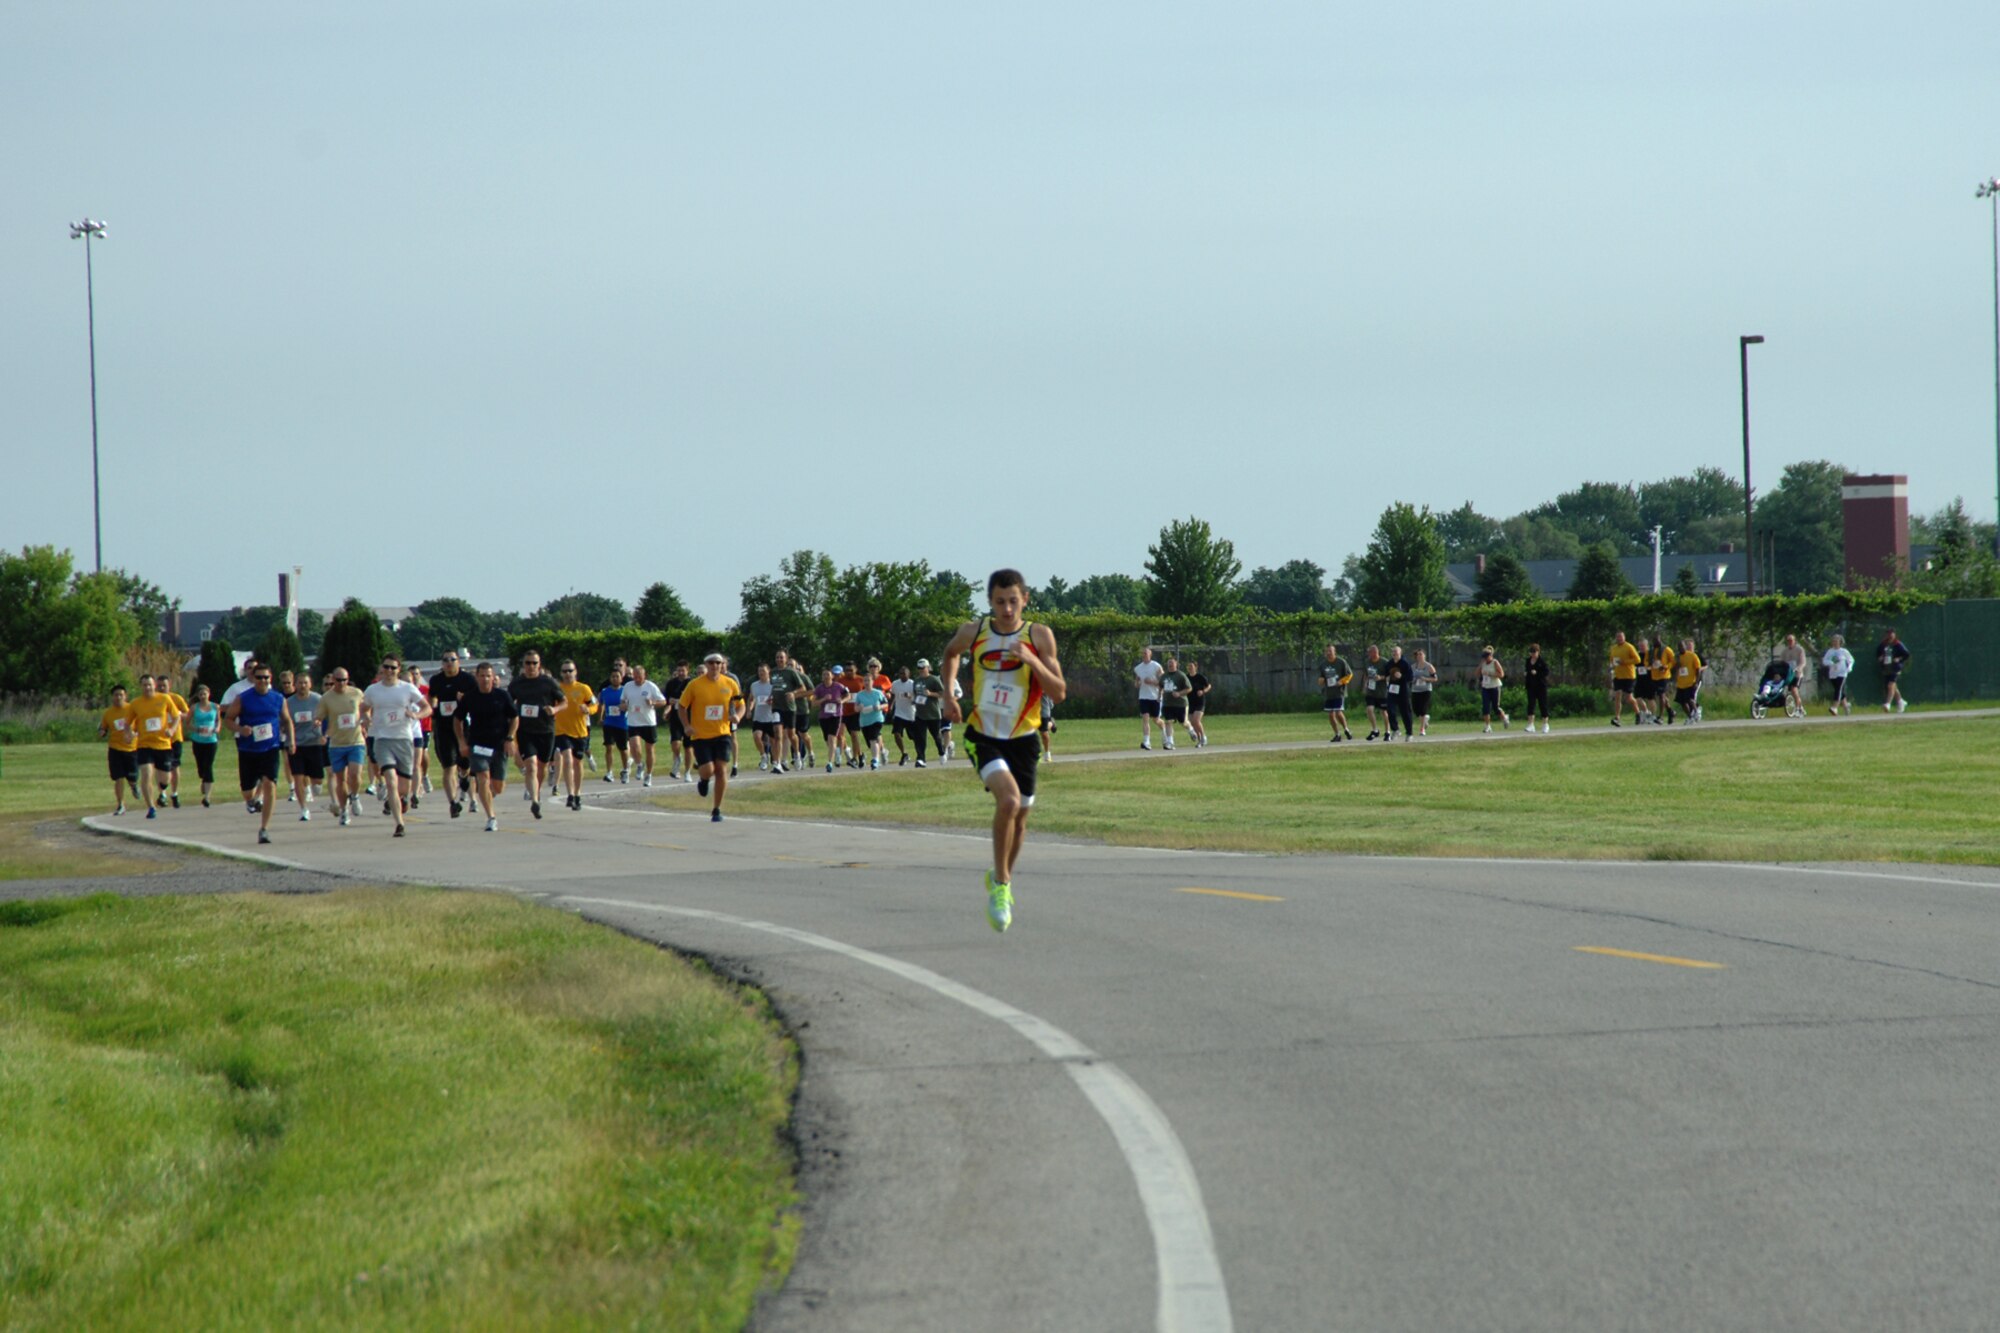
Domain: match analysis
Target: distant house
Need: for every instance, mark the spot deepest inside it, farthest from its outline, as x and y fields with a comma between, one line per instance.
x=189, y=630
x=1718, y=574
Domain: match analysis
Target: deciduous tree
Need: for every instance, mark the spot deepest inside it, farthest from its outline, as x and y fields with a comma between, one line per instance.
x=1191, y=572
x=1403, y=566
x=1599, y=576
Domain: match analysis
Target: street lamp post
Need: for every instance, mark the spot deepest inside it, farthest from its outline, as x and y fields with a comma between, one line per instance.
x=1990, y=190
x=88, y=231
x=1749, y=545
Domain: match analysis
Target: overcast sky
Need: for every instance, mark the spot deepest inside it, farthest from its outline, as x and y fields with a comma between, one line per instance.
x=505, y=300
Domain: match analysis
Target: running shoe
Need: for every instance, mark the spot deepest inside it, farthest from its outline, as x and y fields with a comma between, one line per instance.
x=1902, y=705
x=1614, y=721
x=1145, y=745
x=1170, y=745
x=398, y=833
x=763, y=765
x=646, y=779
x=701, y=788
x=151, y=813
x=305, y=816
x=492, y=825
x=414, y=801
x=263, y=836
x=999, y=904
x=1334, y=739
x=1373, y=734
x=920, y=763
x=732, y=770
x=204, y=803
x=609, y=778
x=427, y=786
x=874, y=764
x=161, y=800
x=343, y=819
x=120, y=810
x=535, y=809
x=715, y=816
x=901, y=760
x=177, y=800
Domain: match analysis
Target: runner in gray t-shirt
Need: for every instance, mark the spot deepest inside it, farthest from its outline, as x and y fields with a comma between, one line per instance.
x=929, y=696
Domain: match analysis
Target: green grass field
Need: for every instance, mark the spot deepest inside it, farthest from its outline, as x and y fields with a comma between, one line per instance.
x=374, y=1109
x=367, y=1109
x=1899, y=791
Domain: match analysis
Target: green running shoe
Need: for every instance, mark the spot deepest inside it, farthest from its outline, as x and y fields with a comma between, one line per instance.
x=999, y=904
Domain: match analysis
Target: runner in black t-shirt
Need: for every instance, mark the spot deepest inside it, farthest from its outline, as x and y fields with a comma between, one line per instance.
x=483, y=725
x=1334, y=673
x=1197, y=702
x=539, y=698
x=1397, y=705
x=1536, y=676
x=447, y=688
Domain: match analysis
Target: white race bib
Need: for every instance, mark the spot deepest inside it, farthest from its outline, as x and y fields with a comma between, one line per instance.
x=614, y=710
x=483, y=751
x=531, y=710
x=392, y=717
x=827, y=709
x=448, y=707
x=261, y=732
x=345, y=721
x=152, y=724
x=120, y=724
x=712, y=713
x=999, y=706
x=1395, y=689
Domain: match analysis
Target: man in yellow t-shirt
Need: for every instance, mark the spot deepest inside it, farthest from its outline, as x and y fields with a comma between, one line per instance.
x=573, y=732
x=114, y=724
x=182, y=714
x=709, y=708
x=154, y=720
x=1625, y=661
x=1660, y=667
x=1687, y=682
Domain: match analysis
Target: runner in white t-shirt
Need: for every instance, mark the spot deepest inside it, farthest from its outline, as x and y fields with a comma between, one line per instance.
x=902, y=712
x=1146, y=675
x=642, y=699
x=390, y=708
x=1839, y=664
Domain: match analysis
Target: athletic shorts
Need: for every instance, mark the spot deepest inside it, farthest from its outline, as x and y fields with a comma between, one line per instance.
x=802, y=721
x=829, y=727
x=676, y=729
x=1839, y=687
x=396, y=753
x=421, y=741
x=766, y=728
x=902, y=726
x=161, y=759
x=1147, y=708
x=616, y=738
x=1378, y=700
x=445, y=743
x=340, y=758
x=871, y=732
x=1174, y=712
x=1685, y=698
x=1489, y=701
x=1197, y=705
x=1890, y=673
x=1048, y=723
x=123, y=764
x=309, y=762
x=1420, y=702
x=1642, y=688
x=255, y=766
x=204, y=760
x=715, y=750
x=493, y=762
x=577, y=745
x=174, y=754
x=650, y=735
x=539, y=745
x=1336, y=701
x=1623, y=686
x=1018, y=756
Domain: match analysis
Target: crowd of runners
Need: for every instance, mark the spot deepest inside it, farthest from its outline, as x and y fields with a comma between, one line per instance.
x=402, y=737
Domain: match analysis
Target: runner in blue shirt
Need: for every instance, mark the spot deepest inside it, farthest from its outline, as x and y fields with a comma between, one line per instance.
x=263, y=727
x=869, y=703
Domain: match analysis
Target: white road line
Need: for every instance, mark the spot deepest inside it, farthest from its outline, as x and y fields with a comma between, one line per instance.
x=1751, y=867
x=1192, y=1298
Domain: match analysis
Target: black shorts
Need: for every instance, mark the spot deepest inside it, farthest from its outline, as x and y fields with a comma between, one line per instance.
x=615, y=738
x=1685, y=696
x=871, y=732
x=1642, y=688
x=1335, y=701
x=1420, y=702
x=802, y=721
x=902, y=726
x=577, y=745
x=650, y=735
x=309, y=762
x=766, y=728
x=712, y=751
x=174, y=754
x=1018, y=756
x=1378, y=700
x=123, y=764
x=676, y=729
x=1147, y=708
x=1890, y=673
x=829, y=727
x=540, y=745
x=1197, y=705
x=1174, y=712
x=421, y=741
x=493, y=765
x=1624, y=686
x=161, y=759
x=255, y=766
x=445, y=742
x=204, y=760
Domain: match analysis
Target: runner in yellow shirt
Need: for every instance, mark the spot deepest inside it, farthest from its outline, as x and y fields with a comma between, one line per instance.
x=709, y=708
x=1661, y=668
x=154, y=720
x=1625, y=661
x=183, y=713
x=573, y=732
x=114, y=724
x=1687, y=682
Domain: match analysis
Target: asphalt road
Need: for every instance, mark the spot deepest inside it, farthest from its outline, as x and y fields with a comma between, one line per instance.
x=1198, y=1091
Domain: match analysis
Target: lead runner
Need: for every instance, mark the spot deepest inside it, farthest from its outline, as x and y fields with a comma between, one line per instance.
x=1014, y=669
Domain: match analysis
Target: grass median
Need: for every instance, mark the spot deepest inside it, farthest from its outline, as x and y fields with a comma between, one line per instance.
x=1895, y=790
x=374, y=1109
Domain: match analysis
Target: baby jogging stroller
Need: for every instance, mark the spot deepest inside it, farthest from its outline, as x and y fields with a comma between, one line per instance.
x=1775, y=690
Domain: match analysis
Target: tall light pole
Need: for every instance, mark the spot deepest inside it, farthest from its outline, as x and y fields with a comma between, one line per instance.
x=1990, y=190
x=88, y=231
x=1749, y=544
